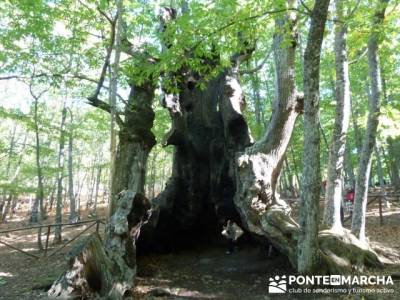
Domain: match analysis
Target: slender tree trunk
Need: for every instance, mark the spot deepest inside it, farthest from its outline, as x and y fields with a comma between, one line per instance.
x=324, y=138
x=357, y=134
x=387, y=164
x=334, y=188
x=394, y=165
x=72, y=200
x=113, y=99
x=153, y=175
x=91, y=184
x=308, y=254
x=361, y=193
x=163, y=172
x=61, y=154
x=52, y=194
x=289, y=178
x=6, y=208
x=96, y=194
x=37, y=209
x=349, y=167
x=296, y=169
x=4, y=198
x=14, y=205
x=381, y=179
x=11, y=197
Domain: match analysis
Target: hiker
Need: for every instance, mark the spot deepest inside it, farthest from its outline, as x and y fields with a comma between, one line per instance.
x=231, y=232
x=350, y=201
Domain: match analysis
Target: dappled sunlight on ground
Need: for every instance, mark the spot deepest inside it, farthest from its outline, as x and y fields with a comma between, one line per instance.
x=209, y=273
x=23, y=277
x=205, y=272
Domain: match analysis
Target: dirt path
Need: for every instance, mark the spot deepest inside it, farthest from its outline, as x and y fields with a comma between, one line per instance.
x=210, y=274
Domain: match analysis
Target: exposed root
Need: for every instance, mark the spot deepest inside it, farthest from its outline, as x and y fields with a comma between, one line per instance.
x=343, y=253
x=340, y=253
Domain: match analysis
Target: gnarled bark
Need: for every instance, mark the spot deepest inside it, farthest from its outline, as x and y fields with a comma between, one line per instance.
x=258, y=167
x=106, y=271
x=135, y=141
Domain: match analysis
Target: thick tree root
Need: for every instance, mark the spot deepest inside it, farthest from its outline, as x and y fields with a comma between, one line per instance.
x=340, y=253
x=343, y=253
x=106, y=271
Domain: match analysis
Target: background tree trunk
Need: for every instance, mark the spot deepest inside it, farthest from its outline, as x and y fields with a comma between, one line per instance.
x=349, y=167
x=4, y=199
x=114, y=70
x=37, y=209
x=357, y=134
x=96, y=193
x=308, y=254
x=60, y=177
x=13, y=180
x=382, y=184
x=72, y=200
x=394, y=165
x=334, y=188
x=361, y=192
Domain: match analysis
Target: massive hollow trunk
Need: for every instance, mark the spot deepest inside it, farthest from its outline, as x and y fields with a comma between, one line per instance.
x=207, y=129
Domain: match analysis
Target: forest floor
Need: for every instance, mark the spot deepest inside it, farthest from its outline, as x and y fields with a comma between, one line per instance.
x=203, y=273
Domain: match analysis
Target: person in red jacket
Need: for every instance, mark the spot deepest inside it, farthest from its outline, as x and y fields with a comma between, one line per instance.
x=350, y=201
